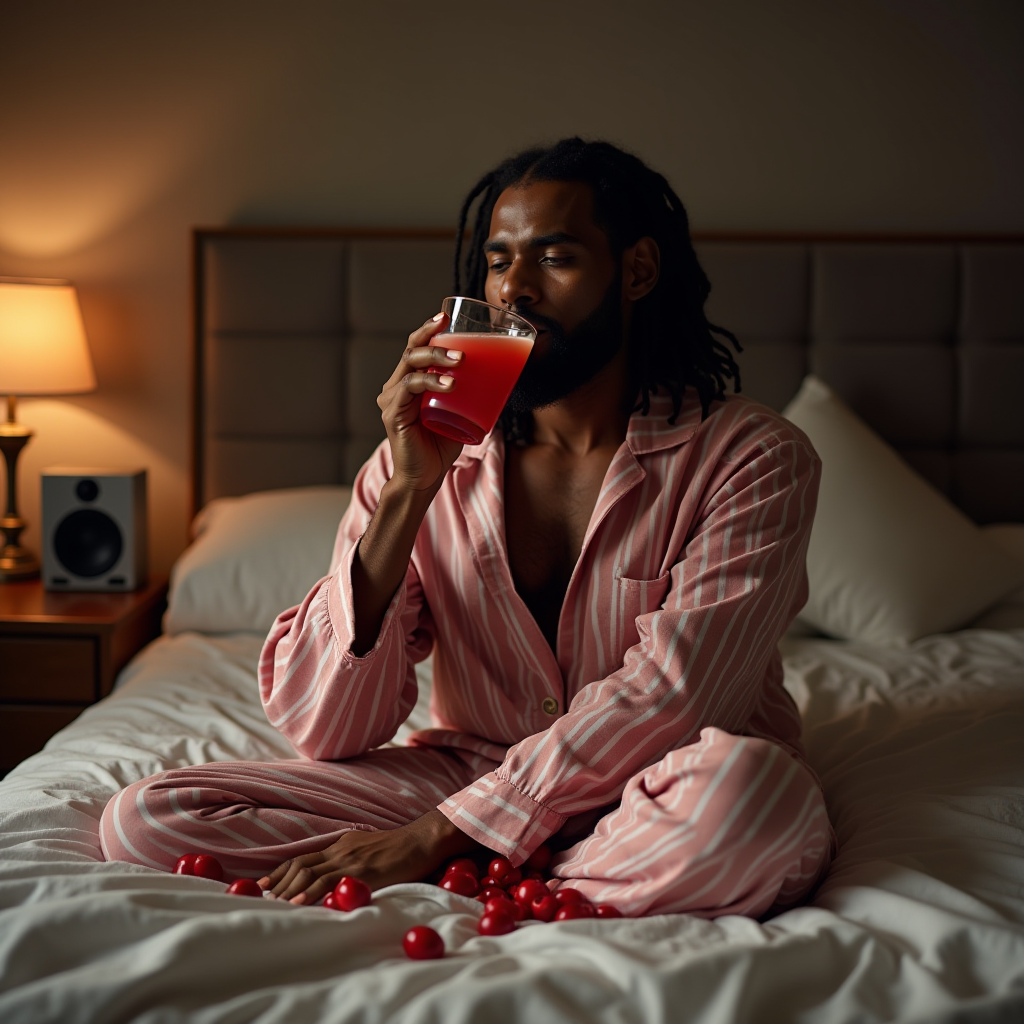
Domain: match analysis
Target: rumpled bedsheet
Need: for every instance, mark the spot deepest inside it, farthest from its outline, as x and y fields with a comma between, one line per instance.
x=921, y=752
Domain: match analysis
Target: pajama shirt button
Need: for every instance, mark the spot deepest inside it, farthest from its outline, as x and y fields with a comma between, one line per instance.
x=550, y=706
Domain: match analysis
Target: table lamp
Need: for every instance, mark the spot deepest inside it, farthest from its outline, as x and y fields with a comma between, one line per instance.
x=43, y=351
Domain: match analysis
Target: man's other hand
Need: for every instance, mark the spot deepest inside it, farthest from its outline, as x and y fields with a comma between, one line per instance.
x=406, y=854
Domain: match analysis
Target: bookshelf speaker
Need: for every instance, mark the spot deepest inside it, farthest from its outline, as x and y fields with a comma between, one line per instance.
x=94, y=529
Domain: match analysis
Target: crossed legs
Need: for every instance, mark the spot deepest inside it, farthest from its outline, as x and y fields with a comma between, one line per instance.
x=727, y=825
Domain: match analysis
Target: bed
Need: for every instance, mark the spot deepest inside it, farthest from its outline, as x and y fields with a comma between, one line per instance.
x=908, y=667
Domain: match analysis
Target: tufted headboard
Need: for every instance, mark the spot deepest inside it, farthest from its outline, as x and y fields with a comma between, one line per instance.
x=296, y=330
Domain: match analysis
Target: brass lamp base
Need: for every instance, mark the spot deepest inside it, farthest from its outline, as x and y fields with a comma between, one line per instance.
x=16, y=562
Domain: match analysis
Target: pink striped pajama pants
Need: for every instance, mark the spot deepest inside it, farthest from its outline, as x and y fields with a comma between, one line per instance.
x=727, y=825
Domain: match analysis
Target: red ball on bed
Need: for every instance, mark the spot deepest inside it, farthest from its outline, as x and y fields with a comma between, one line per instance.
x=539, y=859
x=490, y=893
x=564, y=896
x=186, y=864
x=500, y=869
x=545, y=908
x=330, y=902
x=461, y=883
x=506, y=906
x=205, y=866
x=512, y=879
x=606, y=910
x=497, y=921
x=530, y=890
x=520, y=911
x=423, y=943
x=463, y=864
x=572, y=911
x=351, y=893
x=245, y=887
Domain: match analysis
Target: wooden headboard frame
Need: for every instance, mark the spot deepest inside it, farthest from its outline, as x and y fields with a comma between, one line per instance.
x=922, y=334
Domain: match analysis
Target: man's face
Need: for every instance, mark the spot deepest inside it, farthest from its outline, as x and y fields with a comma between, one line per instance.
x=549, y=261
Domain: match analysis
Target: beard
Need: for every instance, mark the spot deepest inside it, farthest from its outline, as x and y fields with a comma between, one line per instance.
x=573, y=358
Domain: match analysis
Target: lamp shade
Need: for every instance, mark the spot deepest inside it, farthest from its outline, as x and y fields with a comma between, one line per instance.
x=43, y=349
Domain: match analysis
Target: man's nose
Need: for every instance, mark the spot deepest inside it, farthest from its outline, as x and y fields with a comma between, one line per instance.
x=518, y=287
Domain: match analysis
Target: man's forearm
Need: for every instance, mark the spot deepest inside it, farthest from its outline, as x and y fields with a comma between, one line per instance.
x=382, y=559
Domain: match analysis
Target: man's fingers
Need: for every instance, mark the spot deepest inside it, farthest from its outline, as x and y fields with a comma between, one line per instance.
x=281, y=883
x=269, y=881
x=283, y=876
x=298, y=882
x=417, y=383
x=275, y=876
x=422, y=359
x=321, y=887
x=438, y=322
x=400, y=397
x=379, y=858
x=302, y=880
x=286, y=888
x=432, y=355
x=417, y=359
x=417, y=340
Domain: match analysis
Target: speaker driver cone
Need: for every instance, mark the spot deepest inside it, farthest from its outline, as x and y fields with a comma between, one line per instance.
x=87, y=542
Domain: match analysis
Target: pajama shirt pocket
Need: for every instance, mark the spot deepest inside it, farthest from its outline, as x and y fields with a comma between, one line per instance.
x=634, y=598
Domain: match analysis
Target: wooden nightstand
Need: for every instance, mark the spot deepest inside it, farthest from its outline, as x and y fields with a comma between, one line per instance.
x=59, y=653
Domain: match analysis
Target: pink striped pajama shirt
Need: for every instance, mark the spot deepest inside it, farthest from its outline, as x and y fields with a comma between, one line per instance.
x=661, y=714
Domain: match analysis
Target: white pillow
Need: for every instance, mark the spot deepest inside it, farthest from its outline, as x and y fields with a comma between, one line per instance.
x=890, y=558
x=1009, y=612
x=252, y=558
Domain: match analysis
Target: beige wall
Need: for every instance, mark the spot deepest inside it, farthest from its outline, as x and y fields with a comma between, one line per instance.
x=122, y=125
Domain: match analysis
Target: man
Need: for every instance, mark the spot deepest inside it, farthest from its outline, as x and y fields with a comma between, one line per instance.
x=603, y=582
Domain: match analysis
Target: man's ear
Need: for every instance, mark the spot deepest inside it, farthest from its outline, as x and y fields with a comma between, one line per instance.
x=641, y=264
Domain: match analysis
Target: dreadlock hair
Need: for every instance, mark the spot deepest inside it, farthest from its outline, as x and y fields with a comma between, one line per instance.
x=672, y=344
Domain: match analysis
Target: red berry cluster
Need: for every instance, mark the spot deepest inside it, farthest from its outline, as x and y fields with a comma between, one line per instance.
x=202, y=865
x=348, y=894
x=511, y=895
x=419, y=943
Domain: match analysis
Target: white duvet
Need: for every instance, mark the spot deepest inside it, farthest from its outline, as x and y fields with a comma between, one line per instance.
x=920, y=919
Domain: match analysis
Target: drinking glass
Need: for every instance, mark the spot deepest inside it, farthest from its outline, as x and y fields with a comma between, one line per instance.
x=495, y=346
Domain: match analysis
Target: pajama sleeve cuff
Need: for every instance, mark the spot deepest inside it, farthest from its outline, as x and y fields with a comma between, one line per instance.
x=497, y=815
x=341, y=609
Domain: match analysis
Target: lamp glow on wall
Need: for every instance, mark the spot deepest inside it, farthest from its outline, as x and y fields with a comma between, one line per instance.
x=43, y=351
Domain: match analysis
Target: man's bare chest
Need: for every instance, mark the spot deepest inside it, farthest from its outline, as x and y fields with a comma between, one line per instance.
x=548, y=507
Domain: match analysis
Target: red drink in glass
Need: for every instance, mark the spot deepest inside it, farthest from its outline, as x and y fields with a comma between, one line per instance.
x=491, y=364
